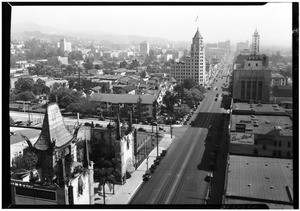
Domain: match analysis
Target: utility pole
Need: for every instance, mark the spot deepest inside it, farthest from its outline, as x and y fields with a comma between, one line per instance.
x=157, y=140
x=171, y=130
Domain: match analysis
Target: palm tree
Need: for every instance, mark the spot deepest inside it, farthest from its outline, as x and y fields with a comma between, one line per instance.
x=116, y=172
x=104, y=174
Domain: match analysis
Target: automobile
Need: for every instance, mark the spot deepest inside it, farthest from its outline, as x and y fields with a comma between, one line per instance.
x=156, y=162
x=154, y=123
x=151, y=169
x=101, y=118
x=217, y=95
x=159, y=158
x=145, y=123
x=210, y=127
x=164, y=152
x=160, y=128
x=153, y=166
x=212, y=155
x=216, y=99
x=177, y=122
x=141, y=129
x=147, y=176
x=192, y=123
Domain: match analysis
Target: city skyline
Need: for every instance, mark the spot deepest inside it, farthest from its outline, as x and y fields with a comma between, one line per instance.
x=216, y=23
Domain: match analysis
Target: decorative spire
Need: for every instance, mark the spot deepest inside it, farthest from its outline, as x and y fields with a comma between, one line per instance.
x=198, y=35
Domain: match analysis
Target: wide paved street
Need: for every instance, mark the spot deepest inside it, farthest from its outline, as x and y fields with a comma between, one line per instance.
x=179, y=179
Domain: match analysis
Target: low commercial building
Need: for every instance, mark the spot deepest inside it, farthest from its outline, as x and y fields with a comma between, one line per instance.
x=111, y=102
x=278, y=79
x=270, y=136
x=259, y=180
x=261, y=130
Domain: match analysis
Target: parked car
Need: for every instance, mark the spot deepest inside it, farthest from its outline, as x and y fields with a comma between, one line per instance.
x=156, y=162
x=147, y=176
x=163, y=153
x=141, y=129
x=101, y=118
x=145, y=123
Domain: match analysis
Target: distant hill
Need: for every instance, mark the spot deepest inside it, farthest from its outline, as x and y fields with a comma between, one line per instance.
x=23, y=29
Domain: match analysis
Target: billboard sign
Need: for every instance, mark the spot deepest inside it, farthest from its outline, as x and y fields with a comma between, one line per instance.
x=242, y=138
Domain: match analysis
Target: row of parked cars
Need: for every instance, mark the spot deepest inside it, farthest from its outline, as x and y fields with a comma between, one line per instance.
x=156, y=162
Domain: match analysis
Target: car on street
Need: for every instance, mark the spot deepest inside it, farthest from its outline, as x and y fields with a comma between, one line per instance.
x=156, y=162
x=163, y=153
x=141, y=129
x=145, y=123
x=147, y=176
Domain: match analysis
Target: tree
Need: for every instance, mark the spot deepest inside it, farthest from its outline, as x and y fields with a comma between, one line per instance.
x=155, y=108
x=189, y=83
x=170, y=99
x=105, y=174
x=24, y=84
x=139, y=106
x=143, y=74
x=26, y=96
x=88, y=65
x=40, y=87
x=23, y=162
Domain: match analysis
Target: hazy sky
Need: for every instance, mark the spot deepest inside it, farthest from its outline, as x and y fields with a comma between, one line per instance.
x=216, y=23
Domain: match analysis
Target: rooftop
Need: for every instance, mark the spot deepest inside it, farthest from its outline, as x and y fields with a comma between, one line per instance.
x=258, y=109
x=266, y=124
x=54, y=130
x=122, y=98
x=266, y=180
x=276, y=75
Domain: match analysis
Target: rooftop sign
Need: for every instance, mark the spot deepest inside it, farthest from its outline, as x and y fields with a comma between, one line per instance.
x=242, y=138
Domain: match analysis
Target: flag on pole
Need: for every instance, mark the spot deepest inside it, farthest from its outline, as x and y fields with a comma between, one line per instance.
x=196, y=18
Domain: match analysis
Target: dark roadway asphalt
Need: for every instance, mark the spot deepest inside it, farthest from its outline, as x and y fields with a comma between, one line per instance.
x=179, y=179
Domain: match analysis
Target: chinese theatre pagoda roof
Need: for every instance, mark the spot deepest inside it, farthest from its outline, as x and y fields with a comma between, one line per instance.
x=54, y=132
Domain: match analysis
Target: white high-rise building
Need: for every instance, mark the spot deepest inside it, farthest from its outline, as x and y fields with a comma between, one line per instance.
x=194, y=65
x=255, y=43
x=64, y=45
x=144, y=48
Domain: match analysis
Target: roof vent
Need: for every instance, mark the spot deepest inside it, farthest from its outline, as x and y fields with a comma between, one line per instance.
x=266, y=164
x=267, y=177
x=271, y=187
x=249, y=185
x=247, y=163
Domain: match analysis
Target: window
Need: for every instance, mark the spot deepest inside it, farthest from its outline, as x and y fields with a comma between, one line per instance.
x=255, y=141
x=255, y=151
x=274, y=153
x=289, y=144
x=264, y=147
x=256, y=65
x=279, y=153
x=279, y=143
x=249, y=64
x=288, y=154
x=275, y=143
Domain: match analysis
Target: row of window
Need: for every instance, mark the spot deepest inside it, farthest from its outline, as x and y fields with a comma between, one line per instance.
x=275, y=153
x=275, y=143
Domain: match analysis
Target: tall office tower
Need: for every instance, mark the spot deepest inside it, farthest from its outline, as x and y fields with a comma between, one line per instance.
x=65, y=46
x=194, y=65
x=144, y=48
x=255, y=43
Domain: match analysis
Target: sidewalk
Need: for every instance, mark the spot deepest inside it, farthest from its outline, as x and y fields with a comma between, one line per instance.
x=124, y=193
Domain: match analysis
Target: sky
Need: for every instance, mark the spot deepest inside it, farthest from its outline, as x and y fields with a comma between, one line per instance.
x=175, y=23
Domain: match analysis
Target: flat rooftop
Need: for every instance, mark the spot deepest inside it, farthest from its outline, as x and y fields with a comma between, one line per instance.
x=266, y=124
x=258, y=108
x=265, y=180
